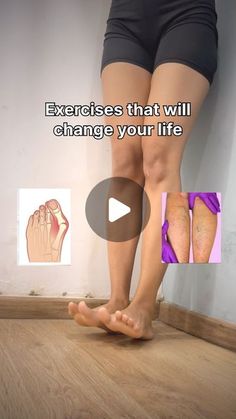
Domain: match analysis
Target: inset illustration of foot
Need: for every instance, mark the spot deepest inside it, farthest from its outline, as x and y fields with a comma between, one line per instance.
x=45, y=233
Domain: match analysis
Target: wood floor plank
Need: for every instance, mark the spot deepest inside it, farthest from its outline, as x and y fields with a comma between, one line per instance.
x=75, y=382
x=175, y=370
x=55, y=369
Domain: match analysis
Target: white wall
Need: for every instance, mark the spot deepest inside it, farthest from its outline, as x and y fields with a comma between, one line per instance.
x=209, y=165
x=52, y=51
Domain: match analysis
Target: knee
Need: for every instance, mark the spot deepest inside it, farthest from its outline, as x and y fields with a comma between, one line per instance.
x=159, y=166
x=127, y=165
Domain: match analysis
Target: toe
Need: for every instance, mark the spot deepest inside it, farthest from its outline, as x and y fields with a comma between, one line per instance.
x=30, y=223
x=137, y=327
x=55, y=209
x=107, y=319
x=118, y=314
x=125, y=318
x=83, y=308
x=103, y=315
x=72, y=309
x=130, y=322
x=42, y=214
x=52, y=204
x=36, y=219
x=48, y=216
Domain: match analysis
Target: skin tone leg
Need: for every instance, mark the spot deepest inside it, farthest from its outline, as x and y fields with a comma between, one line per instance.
x=177, y=214
x=122, y=83
x=171, y=83
x=203, y=232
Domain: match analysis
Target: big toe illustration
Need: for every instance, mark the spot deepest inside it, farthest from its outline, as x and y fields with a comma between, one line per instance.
x=45, y=233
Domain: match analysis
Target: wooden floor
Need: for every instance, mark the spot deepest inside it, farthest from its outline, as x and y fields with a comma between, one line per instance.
x=55, y=369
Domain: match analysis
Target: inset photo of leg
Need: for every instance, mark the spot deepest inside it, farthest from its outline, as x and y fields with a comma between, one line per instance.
x=43, y=226
x=191, y=227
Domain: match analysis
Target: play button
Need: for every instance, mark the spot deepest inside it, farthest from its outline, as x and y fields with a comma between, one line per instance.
x=117, y=209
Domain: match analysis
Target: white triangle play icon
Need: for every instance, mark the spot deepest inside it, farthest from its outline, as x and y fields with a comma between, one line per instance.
x=117, y=210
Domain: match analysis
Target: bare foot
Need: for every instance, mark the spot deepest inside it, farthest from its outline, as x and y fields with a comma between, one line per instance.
x=134, y=321
x=45, y=233
x=86, y=316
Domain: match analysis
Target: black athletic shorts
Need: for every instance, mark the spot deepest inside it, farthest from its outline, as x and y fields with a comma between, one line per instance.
x=151, y=32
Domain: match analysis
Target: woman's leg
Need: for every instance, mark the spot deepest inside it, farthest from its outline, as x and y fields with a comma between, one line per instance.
x=171, y=83
x=122, y=83
x=177, y=214
x=203, y=232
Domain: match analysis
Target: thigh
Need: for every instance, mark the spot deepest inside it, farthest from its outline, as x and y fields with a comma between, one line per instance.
x=190, y=36
x=173, y=83
x=123, y=83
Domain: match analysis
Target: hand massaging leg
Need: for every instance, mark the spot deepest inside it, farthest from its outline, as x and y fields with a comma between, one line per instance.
x=168, y=254
x=209, y=198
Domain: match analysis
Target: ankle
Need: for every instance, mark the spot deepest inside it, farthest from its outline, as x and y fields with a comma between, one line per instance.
x=144, y=305
x=119, y=301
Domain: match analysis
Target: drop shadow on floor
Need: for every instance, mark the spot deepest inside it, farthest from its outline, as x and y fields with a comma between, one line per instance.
x=162, y=333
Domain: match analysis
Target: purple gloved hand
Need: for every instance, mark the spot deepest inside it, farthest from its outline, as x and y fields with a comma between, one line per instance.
x=168, y=254
x=209, y=198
